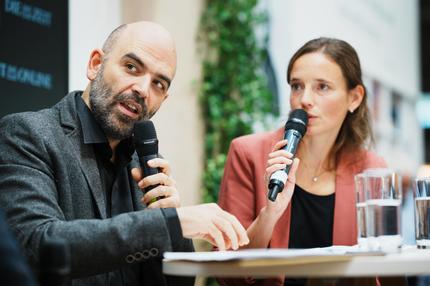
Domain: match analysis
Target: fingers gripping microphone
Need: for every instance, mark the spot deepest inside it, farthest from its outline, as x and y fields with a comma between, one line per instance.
x=146, y=144
x=295, y=129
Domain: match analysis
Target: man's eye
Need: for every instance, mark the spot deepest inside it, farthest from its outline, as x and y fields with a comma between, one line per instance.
x=160, y=85
x=131, y=67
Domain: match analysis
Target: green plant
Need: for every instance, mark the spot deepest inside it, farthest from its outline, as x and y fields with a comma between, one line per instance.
x=234, y=92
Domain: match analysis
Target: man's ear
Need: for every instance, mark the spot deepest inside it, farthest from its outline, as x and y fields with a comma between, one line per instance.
x=94, y=64
x=355, y=97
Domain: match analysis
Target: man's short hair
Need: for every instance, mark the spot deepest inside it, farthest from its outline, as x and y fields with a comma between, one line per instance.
x=112, y=38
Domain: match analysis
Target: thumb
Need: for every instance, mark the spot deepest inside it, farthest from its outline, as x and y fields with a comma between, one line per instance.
x=136, y=173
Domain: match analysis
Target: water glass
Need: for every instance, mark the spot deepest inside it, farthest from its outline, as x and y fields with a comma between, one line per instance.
x=383, y=209
x=422, y=212
x=360, y=203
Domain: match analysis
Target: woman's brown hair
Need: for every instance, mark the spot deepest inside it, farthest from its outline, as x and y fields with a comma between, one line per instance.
x=356, y=129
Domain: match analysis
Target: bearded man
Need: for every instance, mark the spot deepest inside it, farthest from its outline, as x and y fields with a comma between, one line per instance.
x=69, y=171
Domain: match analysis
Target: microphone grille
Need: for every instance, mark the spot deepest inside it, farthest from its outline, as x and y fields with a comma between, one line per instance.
x=144, y=130
x=145, y=138
x=297, y=120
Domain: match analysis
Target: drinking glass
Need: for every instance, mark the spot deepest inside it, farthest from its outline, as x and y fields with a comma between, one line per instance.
x=383, y=209
x=422, y=212
x=360, y=203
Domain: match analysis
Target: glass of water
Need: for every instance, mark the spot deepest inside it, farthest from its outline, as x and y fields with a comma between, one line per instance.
x=360, y=203
x=383, y=202
x=422, y=212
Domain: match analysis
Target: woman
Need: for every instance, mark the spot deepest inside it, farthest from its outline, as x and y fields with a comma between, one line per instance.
x=317, y=206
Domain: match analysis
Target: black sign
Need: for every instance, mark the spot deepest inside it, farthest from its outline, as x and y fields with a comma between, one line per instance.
x=33, y=54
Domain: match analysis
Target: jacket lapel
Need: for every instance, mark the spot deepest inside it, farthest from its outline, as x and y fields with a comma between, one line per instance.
x=345, y=218
x=84, y=153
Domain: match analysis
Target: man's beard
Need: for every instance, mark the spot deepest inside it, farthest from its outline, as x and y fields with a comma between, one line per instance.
x=103, y=105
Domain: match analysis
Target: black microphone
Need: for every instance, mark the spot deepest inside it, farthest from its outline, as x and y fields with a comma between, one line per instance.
x=295, y=129
x=146, y=145
x=55, y=262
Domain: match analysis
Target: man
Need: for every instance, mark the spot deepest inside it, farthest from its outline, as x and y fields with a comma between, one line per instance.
x=65, y=172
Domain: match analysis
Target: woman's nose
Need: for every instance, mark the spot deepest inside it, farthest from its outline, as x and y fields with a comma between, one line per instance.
x=307, y=99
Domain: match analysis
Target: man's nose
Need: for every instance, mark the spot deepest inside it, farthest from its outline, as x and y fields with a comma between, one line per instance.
x=142, y=86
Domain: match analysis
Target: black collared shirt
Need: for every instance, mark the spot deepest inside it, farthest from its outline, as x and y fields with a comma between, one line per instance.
x=114, y=175
x=116, y=180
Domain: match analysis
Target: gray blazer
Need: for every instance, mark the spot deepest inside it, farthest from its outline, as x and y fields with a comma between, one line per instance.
x=50, y=187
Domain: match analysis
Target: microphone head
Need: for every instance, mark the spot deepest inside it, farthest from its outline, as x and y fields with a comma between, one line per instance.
x=297, y=120
x=145, y=138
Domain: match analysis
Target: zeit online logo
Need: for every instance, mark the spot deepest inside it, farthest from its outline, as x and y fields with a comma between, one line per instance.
x=28, y=12
x=20, y=74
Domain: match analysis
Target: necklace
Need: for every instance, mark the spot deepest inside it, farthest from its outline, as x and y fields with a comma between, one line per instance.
x=315, y=177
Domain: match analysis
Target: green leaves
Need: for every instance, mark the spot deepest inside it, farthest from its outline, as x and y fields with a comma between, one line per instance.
x=233, y=92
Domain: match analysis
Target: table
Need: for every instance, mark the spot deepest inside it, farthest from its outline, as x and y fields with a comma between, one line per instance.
x=410, y=262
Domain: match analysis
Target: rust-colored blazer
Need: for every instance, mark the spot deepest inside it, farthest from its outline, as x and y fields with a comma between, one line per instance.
x=243, y=191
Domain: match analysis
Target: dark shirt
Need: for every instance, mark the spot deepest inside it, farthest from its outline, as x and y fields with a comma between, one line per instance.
x=114, y=175
x=116, y=180
x=311, y=223
x=311, y=220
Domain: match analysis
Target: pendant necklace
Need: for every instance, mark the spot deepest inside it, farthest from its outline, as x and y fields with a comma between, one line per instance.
x=315, y=178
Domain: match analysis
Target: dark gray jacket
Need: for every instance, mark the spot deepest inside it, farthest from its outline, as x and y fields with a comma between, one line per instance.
x=50, y=187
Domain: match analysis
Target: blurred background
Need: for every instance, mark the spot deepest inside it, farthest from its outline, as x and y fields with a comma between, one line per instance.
x=232, y=60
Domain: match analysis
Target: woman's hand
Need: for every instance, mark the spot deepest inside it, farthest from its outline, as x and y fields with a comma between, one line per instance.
x=278, y=160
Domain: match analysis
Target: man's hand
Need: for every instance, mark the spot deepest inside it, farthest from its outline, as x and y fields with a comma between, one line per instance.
x=211, y=223
x=166, y=192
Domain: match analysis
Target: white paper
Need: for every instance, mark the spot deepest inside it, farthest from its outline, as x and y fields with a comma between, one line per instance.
x=271, y=253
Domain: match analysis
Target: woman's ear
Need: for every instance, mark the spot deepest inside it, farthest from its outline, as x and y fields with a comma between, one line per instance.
x=95, y=63
x=355, y=97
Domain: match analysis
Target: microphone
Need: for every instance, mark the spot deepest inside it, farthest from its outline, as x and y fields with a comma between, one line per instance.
x=146, y=145
x=295, y=129
x=55, y=262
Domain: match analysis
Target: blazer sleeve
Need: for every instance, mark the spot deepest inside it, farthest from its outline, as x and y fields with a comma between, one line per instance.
x=237, y=194
x=13, y=266
x=34, y=208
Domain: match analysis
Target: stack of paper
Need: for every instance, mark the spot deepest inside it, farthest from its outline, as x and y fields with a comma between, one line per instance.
x=306, y=255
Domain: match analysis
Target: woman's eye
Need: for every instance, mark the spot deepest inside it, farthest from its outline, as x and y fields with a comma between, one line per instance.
x=323, y=87
x=295, y=86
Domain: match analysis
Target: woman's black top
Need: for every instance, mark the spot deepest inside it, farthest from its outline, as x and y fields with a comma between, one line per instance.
x=311, y=223
x=311, y=220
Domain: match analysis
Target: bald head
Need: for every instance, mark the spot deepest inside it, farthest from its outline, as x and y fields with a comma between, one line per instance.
x=150, y=34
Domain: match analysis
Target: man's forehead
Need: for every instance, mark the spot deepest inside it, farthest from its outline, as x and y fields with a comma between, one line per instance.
x=147, y=46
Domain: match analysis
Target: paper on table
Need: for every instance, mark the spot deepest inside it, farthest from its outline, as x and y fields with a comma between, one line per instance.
x=271, y=253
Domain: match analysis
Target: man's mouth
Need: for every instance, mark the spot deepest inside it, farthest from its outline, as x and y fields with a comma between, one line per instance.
x=130, y=108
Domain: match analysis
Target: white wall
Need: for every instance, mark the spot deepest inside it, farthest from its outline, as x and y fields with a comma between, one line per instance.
x=385, y=35
x=90, y=22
